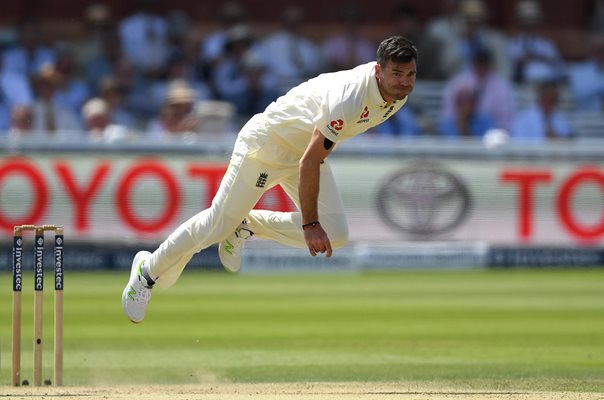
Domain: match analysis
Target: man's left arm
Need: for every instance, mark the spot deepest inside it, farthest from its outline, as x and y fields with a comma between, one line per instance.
x=317, y=150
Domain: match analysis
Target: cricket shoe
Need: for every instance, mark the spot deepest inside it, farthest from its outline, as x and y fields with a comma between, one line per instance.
x=231, y=248
x=137, y=293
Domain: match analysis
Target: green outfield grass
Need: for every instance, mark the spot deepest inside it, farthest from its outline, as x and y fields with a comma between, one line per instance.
x=513, y=330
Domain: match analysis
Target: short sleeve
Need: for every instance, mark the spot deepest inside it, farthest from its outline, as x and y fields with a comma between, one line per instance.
x=331, y=120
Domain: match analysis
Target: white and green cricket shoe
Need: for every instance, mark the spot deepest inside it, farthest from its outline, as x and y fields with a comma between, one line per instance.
x=231, y=248
x=137, y=293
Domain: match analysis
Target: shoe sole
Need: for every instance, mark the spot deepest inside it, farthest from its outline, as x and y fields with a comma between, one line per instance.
x=133, y=273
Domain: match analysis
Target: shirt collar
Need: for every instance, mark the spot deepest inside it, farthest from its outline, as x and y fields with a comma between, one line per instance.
x=374, y=91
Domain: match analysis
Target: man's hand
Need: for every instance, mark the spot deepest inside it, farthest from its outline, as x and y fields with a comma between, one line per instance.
x=317, y=241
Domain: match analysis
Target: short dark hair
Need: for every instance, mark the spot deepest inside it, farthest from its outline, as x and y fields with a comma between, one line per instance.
x=396, y=48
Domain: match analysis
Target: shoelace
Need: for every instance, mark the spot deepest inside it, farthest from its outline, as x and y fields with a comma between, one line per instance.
x=142, y=295
x=241, y=239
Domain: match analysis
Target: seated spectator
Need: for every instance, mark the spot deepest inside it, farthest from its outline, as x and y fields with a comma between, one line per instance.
x=104, y=62
x=49, y=117
x=236, y=78
x=30, y=53
x=587, y=78
x=230, y=14
x=97, y=24
x=534, y=57
x=72, y=91
x=406, y=23
x=14, y=90
x=178, y=69
x=134, y=89
x=542, y=121
x=347, y=47
x=289, y=57
x=479, y=36
x=178, y=32
x=144, y=37
x=178, y=117
x=494, y=95
x=463, y=31
x=21, y=122
x=111, y=94
x=97, y=120
x=466, y=121
x=189, y=66
x=446, y=28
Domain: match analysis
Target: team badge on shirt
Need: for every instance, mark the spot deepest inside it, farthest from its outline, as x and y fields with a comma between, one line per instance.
x=262, y=180
x=335, y=126
x=364, y=117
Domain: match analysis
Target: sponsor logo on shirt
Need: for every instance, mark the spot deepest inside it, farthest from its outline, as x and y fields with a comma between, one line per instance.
x=364, y=117
x=336, y=126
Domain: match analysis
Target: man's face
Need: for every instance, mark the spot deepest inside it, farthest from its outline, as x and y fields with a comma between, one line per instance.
x=396, y=80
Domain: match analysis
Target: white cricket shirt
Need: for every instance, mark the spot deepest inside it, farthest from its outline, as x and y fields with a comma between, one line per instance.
x=340, y=104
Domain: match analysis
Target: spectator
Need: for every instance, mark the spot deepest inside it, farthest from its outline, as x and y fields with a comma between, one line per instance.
x=178, y=117
x=104, y=62
x=72, y=91
x=178, y=28
x=97, y=25
x=447, y=29
x=30, y=53
x=15, y=90
x=587, y=78
x=534, y=57
x=21, y=122
x=236, y=79
x=542, y=121
x=347, y=47
x=230, y=14
x=113, y=97
x=406, y=23
x=49, y=117
x=97, y=120
x=178, y=68
x=478, y=35
x=298, y=58
x=463, y=31
x=466, y=121
x=144, y=37
x=184, y=61
x=494, y=95
x=134, y=89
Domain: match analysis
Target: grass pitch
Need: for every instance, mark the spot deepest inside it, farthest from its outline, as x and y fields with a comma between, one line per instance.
x=538, y=330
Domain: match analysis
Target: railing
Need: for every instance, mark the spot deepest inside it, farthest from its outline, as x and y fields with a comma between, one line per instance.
x=367, y=145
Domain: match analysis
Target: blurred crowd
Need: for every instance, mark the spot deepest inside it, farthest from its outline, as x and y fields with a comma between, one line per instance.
x=150, y=75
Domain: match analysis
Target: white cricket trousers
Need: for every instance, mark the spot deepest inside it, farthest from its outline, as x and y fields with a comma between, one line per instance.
x=255, y=166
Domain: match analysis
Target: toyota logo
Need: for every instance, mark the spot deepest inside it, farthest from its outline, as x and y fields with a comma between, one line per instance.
x=423, y=199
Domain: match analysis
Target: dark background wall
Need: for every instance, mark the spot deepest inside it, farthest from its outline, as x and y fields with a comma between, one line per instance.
x=560, y=12
x=565, y=20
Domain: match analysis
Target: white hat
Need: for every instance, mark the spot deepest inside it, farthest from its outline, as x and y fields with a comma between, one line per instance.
x=94, y=107
x=180, y=92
